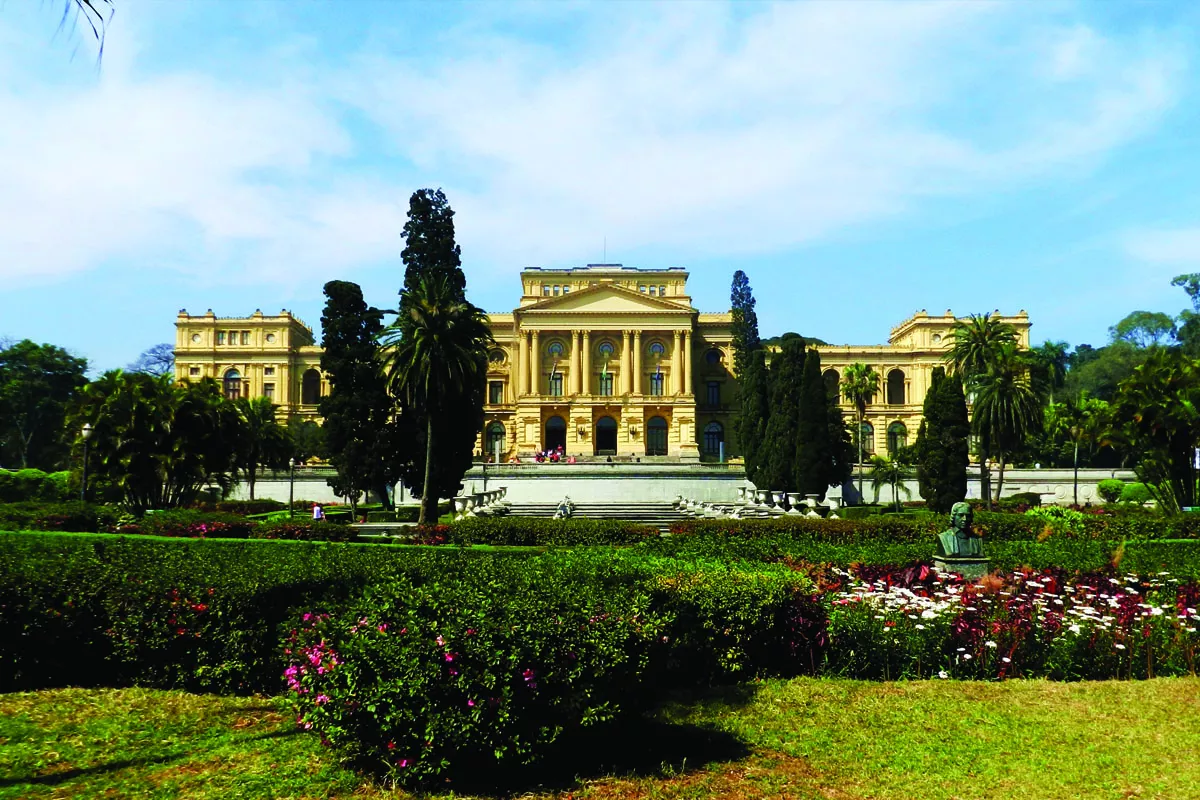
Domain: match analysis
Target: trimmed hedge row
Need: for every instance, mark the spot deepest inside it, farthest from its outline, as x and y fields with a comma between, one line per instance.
x=528, y=531
x=70, y=516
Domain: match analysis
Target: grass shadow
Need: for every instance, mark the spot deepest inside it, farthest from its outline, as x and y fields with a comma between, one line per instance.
x=58, y=778
x=647, y=746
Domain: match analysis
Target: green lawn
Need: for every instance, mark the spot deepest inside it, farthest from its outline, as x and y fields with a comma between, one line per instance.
x=802, y=738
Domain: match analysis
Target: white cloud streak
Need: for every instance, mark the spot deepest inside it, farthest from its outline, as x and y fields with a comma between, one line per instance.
x=687, y=130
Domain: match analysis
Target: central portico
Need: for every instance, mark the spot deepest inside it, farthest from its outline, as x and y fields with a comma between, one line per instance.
x=601, y=360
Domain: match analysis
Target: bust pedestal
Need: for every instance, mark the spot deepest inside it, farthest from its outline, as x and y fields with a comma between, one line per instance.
x=972, y=568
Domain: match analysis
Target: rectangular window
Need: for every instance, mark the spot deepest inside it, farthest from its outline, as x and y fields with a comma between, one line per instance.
x=496, y=392
x=606, y=384
x=656, y=384
x=245, y=337
x=662, y=291
x=556, y=384
x=269, y=391
x=653, y=291
x=556, y=288
x=220, y=337
x=566, y=290
x=545, y=290
x=714, y=393
x=268, y=371
x=642, y=288
x=193, y=370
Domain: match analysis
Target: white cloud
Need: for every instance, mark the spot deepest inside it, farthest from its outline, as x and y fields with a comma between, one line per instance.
x=687, y=128
x=1178, y=247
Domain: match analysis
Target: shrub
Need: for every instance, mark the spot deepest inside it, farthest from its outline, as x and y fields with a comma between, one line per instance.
x=32, y=484
x=1059, y=519
x=303, y=531
x=1136, y=493
x=1110, y=489
x=249, y=507
x=1022, y=501
x=468, y=673
x=69, y=516
x=187, y=522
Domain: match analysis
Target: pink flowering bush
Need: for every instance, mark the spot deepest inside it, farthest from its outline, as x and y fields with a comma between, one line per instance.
x=473, y=672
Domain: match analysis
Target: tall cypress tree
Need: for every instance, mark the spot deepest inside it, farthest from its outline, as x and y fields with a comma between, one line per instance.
x=813, y=452
x=929, y=451
x=431, y=251
x=777, y=455
x=360, y=433
x=749, y=368
x=841, y=446
x=954, y=435
x=754, y=416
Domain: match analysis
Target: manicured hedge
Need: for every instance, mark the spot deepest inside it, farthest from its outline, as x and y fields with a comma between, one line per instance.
x=32, y=484
x=202, y=614
x=68, y=516
x=556, y=532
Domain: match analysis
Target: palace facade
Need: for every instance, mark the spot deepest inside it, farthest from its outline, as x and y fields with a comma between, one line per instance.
x=602, y=360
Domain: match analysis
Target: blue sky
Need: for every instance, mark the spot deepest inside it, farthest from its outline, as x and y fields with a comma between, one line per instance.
x=858, y=160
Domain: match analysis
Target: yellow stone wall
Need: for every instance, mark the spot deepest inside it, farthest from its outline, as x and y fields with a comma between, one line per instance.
x=574, y=333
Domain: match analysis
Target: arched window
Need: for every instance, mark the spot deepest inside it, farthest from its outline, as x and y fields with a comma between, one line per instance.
x=606, y=350
x=897, y=437
x=714, y=435
x=555, y=350
x=713, y=357
x=657, y=349
x=233, y=384
x=496, y=356
x=895, y=387
x=556, y=433
x=310, y=388
x=866, y=433
x=831, y=382
x=656, y=437
x=495, y=439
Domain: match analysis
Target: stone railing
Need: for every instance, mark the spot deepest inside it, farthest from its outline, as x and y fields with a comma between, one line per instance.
x=753, y=503
x=481, y=504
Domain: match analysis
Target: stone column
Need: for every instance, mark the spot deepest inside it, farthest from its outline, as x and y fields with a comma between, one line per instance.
x=535, y=365
x=625, y=363
x=637, y=362
x=585, y=372
x=687, y=363
x=576, y=366
x=677, y=365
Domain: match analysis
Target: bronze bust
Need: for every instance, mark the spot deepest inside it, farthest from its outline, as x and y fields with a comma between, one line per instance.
x=960, y=541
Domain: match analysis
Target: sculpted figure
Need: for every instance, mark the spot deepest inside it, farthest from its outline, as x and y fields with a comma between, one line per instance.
x=960, y=541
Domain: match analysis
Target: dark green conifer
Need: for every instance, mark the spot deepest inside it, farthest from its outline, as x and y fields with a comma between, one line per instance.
x=928, y=450
x=814, y=454
x=777, y=457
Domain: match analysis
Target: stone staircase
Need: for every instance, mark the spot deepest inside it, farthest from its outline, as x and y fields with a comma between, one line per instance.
x=657, y=515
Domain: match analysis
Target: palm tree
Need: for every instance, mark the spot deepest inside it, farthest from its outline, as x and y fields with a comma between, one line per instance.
x=890, y=472
x=1007, y=407
x=1050, y=359
x=859, y=385
x=436, y=350
x=261, y=440
x=1080, y=422
x=978, y=345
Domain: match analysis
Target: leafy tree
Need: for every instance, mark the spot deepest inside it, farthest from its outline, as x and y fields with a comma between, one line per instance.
x=432, y=257
x=308, y=440
x=755, y=416
x=1097, y=372
x=1144, y=329
x=156, y=360
x=436, y=351
x=814, y=455
x=1007, y=407
x=1159, y=407
x=860, y=383
x=778, y=451
x=1050, y=359
x=889, y=472
x=361, y=439
x=1188, y=322
x=1080, y=422
x=156, y=444
x=979, y=345
x=261, y=441
x=37, y=382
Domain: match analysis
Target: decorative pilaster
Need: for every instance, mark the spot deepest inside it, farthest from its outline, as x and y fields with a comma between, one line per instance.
x=535, y=365
x=637, y=362
x=625, y=362
x=687, y=363
x=677, y=365
x=576, y=365
x=520, y=358
x=585, y=373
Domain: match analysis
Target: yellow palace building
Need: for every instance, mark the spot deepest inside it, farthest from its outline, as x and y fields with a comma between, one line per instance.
x=601, y=360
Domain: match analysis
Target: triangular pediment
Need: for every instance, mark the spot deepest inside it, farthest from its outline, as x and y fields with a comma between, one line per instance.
x=607, y=299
